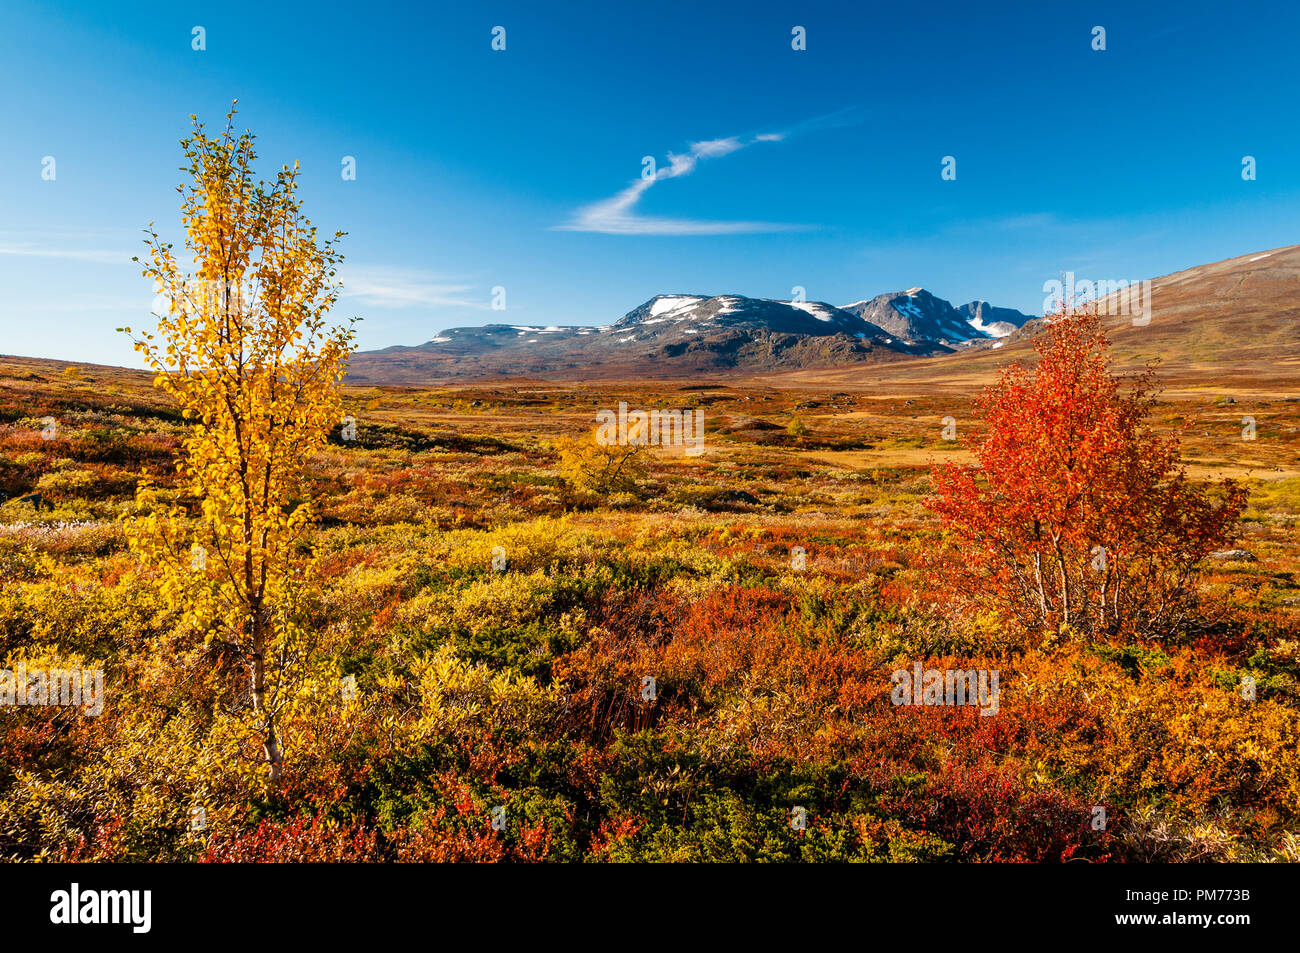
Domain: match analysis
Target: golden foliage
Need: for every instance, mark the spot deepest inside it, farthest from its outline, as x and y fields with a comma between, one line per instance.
x=594, y=467
x=244, y=348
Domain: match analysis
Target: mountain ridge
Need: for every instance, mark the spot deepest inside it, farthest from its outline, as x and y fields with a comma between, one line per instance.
x=676, y=335
x=1231, y=315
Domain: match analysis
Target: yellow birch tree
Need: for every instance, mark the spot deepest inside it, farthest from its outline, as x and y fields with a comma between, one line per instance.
x=244, y=347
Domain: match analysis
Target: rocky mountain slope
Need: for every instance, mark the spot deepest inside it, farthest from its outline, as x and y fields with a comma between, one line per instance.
x=679, y=335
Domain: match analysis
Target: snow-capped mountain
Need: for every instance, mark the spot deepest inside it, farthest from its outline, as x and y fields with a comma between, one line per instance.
x=684, y=334
x=918, y=317
x=692, y=314
x=995, y=322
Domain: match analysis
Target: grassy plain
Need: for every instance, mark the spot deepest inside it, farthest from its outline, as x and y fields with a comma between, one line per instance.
x=523, y=688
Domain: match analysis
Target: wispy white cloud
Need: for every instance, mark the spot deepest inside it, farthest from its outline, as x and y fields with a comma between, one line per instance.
x=712, y=148
x=390, y=287
x=618, y=214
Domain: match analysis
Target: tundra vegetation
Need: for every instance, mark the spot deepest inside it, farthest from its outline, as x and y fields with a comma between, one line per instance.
x=520, y=687
x=458, y=606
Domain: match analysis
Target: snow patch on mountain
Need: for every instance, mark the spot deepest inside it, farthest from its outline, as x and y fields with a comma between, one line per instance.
x=998, y=329
x=664, y=303
x=818, y=311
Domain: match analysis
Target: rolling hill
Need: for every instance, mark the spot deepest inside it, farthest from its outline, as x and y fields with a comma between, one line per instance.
x=1230, y=324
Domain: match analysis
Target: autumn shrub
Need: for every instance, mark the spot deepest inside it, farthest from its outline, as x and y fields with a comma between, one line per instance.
x=594, y=468
x=298, y=841
x=1078, y=515
x=991, y=815
x=1166, y=731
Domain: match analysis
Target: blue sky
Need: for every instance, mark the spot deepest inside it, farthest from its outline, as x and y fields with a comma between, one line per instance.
x=522, y=168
